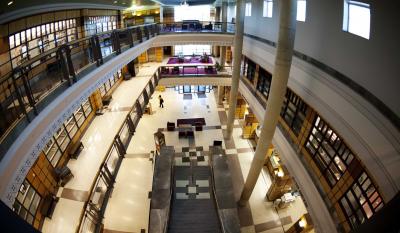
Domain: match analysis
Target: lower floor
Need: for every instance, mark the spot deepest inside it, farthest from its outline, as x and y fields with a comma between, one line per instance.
x=128, y=207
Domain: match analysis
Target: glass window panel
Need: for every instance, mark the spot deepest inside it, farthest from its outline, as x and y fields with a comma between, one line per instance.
x=346, y=206
x=33, y=33
x=340, y=164
x=56, y=157
x=11, y=41
x=360, y=216
x=71, y=126
x=17, y=39
x=352, y=200
x=28, y=34
x=34, y=204
x=113, y=159
x=29, y=219
x=301, y=10
x=22, y=213
x=23, y=37
x=28, y=198
x=248, y=9
x=367, y=210
x=357, y=18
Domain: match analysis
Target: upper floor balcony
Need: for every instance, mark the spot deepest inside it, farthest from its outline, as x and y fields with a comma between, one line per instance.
x=42, y=73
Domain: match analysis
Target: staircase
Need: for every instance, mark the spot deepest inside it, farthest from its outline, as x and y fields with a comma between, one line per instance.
x=193, y=208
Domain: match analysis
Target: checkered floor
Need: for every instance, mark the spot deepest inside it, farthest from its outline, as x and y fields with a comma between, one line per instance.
x=192, y=173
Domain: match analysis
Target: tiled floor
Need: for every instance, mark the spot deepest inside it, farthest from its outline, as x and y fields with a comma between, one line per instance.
x=261, y=215
x=96, y=140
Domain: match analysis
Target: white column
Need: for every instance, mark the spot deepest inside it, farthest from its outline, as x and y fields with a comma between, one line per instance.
x=283, y=61
x=237, y=56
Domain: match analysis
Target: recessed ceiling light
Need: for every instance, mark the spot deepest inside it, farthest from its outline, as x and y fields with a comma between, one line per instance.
x=10, y=2
x=115, y=2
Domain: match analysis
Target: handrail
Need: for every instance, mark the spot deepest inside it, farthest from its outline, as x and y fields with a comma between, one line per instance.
x=32, y=85
x=104, y=162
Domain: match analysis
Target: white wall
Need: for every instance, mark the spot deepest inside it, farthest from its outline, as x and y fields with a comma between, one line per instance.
x=372, y=63
x=374, y=140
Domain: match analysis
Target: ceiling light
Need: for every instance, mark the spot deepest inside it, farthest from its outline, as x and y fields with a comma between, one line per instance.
x=115, y=2
x=10, y=2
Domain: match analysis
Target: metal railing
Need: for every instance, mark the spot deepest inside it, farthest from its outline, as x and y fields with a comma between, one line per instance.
x=194, y=71
x=197, y=26
x=31, y=86
x=103, y=184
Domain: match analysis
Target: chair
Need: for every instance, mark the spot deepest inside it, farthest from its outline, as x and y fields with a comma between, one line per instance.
x=170, y=126
x=198, y=126
x=190, y=133
x=217, y=143
x=48, y=205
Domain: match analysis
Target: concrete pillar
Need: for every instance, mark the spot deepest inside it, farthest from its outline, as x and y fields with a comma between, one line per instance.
x=237, y=55
x=224, y=18
x=221, y=93
x=161, y=14
x=283, y=61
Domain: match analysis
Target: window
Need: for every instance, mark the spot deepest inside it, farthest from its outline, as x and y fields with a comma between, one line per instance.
x=251, y=70
x=328, y=150
x=185, y=12
x=191, y=49
x=293, y=111
x=361, y=201
x=248, y=9
x=57, y=145
x=356, y=18
x=27, y=202
x=264, y=82
x=301, y=10
x=267, y=8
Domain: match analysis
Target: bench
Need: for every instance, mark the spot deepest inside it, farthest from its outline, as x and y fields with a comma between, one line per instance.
x=76, y=150
x=48, y=206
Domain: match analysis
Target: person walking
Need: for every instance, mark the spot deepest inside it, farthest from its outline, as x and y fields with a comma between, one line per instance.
x=161, y=100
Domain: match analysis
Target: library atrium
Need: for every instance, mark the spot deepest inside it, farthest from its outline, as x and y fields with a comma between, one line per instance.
x=199, y=116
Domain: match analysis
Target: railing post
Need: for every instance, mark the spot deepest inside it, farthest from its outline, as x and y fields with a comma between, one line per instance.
x=96, y=50
x=116, y=45
x=28, y=90
x=151, y=87
x=19, y=96
x=139, y=109
x=158, y=27
x=64, y=57
x=139, y=34
x=145, y=97
x=146, y=32
x=120, y=146
x=131, y=125
x=130, y=38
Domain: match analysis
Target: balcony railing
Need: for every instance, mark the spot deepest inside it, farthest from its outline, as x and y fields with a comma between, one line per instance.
x=31, y=86
x=93, y=211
